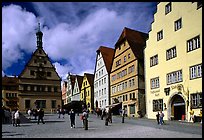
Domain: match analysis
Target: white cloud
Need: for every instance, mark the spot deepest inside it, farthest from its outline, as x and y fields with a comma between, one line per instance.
x=18, y=33
x=73, y=31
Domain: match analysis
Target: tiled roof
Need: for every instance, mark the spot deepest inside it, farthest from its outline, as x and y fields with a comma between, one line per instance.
x=136, y=40
x=9, y=81
x=107, y=54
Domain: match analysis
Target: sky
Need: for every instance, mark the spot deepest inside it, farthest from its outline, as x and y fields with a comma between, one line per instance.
x=72, y=31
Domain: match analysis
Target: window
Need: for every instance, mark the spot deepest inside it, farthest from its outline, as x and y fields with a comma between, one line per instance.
x=125, y=59
x=118, y=62
x=128, y=55
x=168, y=8
x=27, y=103
x=41, y=103
x=49, y=74
x=49, y=88
x=195, y=71
x=174, y=77
x=132, y=109
x=131, y=69
x=157, y=105
x=178, y=24
x=193, y=44
x=196, y=100
x=153, y=60
x=160, y=35
x=55, y=89
x=154, y=83
x=32, y=72
x=171, y=53
x=53, y=104
x=32, y=88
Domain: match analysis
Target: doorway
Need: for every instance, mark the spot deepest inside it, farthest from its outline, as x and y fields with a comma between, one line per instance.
x=178, y=107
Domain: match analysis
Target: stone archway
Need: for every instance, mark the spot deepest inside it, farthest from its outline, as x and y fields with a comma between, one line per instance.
x=177, y=107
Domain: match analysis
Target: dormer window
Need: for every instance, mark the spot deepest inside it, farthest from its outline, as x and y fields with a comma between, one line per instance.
x=168, y=8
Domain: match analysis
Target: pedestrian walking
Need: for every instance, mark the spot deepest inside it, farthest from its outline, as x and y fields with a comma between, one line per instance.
x=157, y=116
x=59, y=112
x=29, y=114
x=123, y=115
x=17, y=118
x=40, y=116
x=110, y=115
x=63, y=112
x=161, y=116
x=72, y=118
x=84, y=119
x=13, y=117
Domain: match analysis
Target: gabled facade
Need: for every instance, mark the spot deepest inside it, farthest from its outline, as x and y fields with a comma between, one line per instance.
x=10, y=98
x=70, y=86
x=101, y=77
x=77, y=88
x=173, y=61
x=87, y=91
x=39, y=83
x=127, y=72
x=64, y=92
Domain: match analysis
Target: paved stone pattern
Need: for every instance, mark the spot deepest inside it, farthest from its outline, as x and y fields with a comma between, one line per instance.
x=55, y=127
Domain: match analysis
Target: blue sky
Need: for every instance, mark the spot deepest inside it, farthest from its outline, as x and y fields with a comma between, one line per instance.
x=72, y=31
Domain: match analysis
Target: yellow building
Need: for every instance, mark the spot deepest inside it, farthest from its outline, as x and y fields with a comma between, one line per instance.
x=173, y=61
x=127, y=72
x=87, y=91
x=10, y=98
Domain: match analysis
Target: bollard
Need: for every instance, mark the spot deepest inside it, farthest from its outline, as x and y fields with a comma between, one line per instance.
x=86, y=124
x=123, y=118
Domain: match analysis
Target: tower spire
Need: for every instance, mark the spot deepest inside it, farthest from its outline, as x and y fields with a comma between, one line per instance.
x=39, y=35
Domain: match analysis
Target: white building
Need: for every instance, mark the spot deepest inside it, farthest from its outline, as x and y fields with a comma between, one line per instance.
x=101, y=77
x=70, y=86
x=77, y=88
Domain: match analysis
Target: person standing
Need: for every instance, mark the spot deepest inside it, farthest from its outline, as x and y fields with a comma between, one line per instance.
x=17, y=118
x=157, y=116
x=161, y=116
x=191, y=115
x=40, y=116
x=72, y=118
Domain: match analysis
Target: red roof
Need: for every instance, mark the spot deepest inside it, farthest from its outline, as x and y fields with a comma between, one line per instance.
x=107, y=54
x=136, y=40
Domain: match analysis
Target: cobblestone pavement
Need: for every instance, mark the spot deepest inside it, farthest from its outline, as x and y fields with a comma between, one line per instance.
x=55, y=127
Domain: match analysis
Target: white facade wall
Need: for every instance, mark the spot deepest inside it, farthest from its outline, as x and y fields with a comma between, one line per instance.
x=101, y=83
x=69, y=89
x=76, y=91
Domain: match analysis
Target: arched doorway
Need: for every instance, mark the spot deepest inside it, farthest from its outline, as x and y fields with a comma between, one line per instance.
x=178, y=107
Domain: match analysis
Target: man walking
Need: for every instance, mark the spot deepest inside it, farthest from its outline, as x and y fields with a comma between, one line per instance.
x=72, y=118
x=17, y=118
x=40, y=116
x=161, y=116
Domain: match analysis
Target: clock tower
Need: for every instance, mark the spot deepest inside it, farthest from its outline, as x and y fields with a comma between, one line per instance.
x=39, y=83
